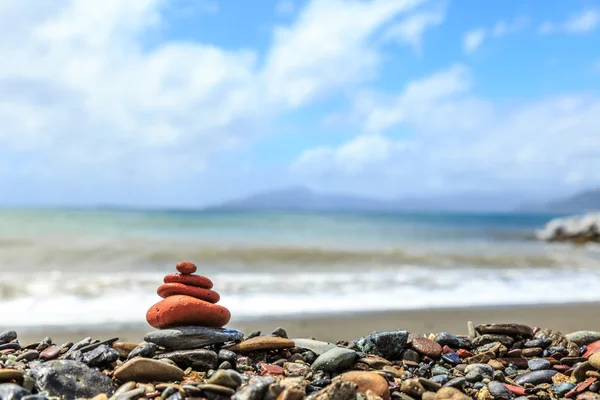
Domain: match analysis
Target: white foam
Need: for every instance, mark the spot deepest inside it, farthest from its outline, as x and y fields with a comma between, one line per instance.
x=124, y=298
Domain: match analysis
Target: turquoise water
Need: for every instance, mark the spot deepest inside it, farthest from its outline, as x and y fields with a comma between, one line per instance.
x=56, y=263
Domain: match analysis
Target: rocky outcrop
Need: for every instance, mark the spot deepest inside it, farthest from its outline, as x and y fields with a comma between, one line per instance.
x=577, y=229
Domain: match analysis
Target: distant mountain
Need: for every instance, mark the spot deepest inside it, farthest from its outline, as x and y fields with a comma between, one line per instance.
x=303, y=199
x=583, y=202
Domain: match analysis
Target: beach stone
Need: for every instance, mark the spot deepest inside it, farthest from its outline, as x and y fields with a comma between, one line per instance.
x=592, y=348
x=255, y=390
x=291, y=393
x=560, y=389
x=427, y=347
x=594, y=360
x=50, y=353
x=452, y=358
x=147, y=350
x=227, y=356
x=579, y=373
x=101, y=355
x=440, y=379
x=583, y=337
x=539, y=364
x=412, y=387
x=148, y=370
x=7, y=336
x=411, y=355
x=375, y=362
x=126, y=387
x=192, y=280
x=280, y=332
x=543, y=343
x=532, y=352
x=124, y=348
x=315, y=346
x=222, y=390
x=227, y=378
x=181, y=310
x=199, y=359
x=338, y=390
x=490, y=338
x=447, y=392
x=191, y=337
x=262, y=343
x=457, y=382
x=510, y=329
x=29, y=355
x=499, y=391
x=485, y=370
x=185, y=267
x=447, y=339
x=12, y=391
x=296, y=369
x=70, y=380
x=558, y=339
x=388, y=345
x=368, y=381
x=536, y=377
x=171, y=289
x=8, y=374
x=334, y=360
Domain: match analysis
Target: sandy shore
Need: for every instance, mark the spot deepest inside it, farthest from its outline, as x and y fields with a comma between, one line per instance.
x=564, y=318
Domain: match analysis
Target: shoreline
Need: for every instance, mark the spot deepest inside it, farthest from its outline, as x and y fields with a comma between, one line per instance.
x=348, y=326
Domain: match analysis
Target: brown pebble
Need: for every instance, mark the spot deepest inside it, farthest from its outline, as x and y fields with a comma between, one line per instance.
x=186, y=268
x=262, y=343
x=532, y=352
x=427, y=347
x=515, y=353
x=50, y=353
x=368, y=381
x=291, y=393
x=9, y=374
x=124, y=348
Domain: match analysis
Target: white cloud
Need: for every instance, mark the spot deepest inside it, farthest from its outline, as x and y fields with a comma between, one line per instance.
x=411, y=29
x=96, y=87
x=582, y=22
x=285, y=7
x=455, y=140
x=329, y=47
x=363, y=153
x=473, y=40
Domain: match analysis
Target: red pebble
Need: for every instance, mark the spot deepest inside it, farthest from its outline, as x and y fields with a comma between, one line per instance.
x=518, y=390
x=560, y=368
x=462, y=353
x=171, y=289
x=185, y=310
x=186, y=267
x=192, y=280
x=270, y=369
x=592, y=348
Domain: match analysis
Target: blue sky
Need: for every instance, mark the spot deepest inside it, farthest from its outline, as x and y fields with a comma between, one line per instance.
x=186, y=103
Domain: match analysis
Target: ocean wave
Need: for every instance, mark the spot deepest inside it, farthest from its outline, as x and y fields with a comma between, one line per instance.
x=102, y=254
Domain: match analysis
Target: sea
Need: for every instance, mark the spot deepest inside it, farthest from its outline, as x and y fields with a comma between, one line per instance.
x=89, y=267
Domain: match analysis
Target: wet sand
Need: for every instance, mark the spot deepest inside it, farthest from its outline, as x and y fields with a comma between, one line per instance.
x=564, y=318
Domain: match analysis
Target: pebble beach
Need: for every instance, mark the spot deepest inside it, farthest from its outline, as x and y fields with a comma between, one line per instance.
x=492, y=361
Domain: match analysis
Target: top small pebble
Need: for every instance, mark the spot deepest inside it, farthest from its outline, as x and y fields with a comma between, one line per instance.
x=186, y=267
